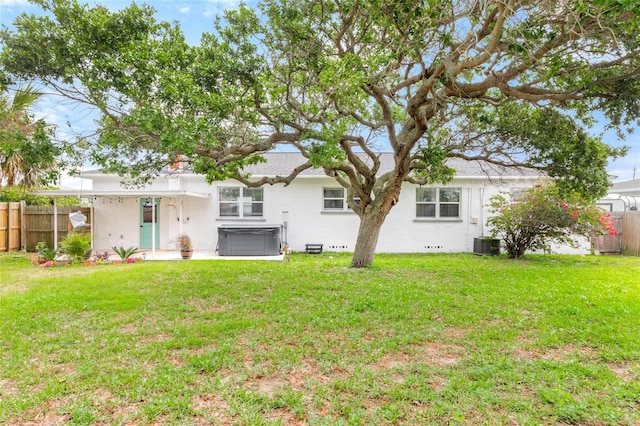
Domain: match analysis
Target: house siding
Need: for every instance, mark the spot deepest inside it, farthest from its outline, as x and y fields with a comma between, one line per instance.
x=117, y=218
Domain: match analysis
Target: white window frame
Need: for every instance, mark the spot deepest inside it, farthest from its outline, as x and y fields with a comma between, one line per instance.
x=343, y=200
x=438, y=204
x=241, y=203
x=516, y=194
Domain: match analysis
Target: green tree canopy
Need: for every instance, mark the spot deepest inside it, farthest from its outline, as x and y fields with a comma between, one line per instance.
x=28, y=156
x=506, y=81
x=21, y=193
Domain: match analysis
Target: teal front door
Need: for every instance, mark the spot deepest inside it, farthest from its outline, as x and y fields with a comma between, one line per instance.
x=149, y=222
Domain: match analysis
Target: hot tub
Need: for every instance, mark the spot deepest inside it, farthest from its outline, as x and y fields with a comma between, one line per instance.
x=249, y=240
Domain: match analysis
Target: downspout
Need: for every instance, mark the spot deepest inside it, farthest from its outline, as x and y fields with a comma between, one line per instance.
x=484, y=185
x=469, y=214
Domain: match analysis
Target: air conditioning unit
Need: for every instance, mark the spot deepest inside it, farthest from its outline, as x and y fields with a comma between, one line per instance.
x=486, y=246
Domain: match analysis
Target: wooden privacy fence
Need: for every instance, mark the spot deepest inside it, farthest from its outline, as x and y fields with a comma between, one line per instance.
x=610, y=244
x=11, y=226
x=23, y=227
x=39, y=224
x=627, y=241
x=630, y=234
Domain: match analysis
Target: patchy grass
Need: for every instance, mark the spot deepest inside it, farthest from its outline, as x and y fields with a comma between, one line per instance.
x=416, y=339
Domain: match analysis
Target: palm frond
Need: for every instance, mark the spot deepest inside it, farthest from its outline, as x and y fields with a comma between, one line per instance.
x=24, y=98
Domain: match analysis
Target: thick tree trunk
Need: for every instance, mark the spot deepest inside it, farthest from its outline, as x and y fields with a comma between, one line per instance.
x=373, y=215
x=370, y=225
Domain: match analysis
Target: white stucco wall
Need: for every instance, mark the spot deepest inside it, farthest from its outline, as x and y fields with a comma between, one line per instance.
x=117, y=219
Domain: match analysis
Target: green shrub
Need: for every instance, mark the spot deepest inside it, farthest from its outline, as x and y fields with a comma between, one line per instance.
x=20, y=193
x=543, y=216
x=44, y=252
x=125, y=253
x=76, y=246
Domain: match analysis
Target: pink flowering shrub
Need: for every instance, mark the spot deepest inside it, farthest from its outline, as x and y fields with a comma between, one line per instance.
x=543, y=217
x=607, y=223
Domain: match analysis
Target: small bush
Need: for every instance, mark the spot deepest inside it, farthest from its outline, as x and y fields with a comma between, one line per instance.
x=544, y=216
x=44, y=253
x=76, y=246
x=125, y=253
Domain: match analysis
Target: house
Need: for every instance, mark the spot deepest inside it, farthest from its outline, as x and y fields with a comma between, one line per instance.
x=311, y=210
x=622, y=202
x=622, y=196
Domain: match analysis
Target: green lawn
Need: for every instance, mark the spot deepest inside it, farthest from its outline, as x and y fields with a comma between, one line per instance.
x=416, y=339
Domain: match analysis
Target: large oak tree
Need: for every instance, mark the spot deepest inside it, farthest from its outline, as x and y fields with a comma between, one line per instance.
x=504, y=81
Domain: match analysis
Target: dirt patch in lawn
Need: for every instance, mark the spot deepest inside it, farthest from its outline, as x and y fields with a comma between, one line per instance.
x=553, y=354
x=205, y=306
x=8, y=388
x=211, y=409
x=268, y=385
x=433, y=354
x=129, y=329
x=48, y=414
x=393, y=361
x=156, y=338
x=454, y=333
x=295, y=379
x=440, y=355
x=205, y=349
x=46, y=419
x=437, y=382
x=176, y=358
x=626, y=371
x=127, y=411
x=285, y=417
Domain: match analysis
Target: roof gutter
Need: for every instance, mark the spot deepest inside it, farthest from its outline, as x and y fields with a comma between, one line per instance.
x=119, y=193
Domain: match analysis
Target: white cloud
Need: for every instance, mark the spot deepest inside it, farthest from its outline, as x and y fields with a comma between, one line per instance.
x=184, y=9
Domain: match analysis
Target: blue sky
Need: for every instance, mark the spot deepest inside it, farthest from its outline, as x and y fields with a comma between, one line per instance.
x=196, y=17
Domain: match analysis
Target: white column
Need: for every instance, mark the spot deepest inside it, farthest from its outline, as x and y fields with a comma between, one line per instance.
x=153, y=228
x=55, y=224
x=181, y=213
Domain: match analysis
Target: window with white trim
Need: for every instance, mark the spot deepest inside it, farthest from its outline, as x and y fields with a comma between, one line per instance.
x=438, y=203
x=516, y=194
x=240, y=202
x=335, y=199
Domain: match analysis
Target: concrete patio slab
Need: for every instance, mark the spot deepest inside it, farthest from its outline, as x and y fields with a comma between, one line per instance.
x=201, y=255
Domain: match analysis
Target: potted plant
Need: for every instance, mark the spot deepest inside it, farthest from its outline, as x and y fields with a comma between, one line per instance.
x=184, y=245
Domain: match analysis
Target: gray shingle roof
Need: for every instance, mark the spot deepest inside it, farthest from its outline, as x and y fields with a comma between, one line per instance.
x=627, y=184
x=280, y=163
